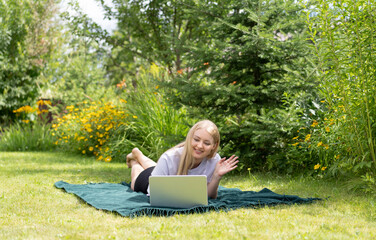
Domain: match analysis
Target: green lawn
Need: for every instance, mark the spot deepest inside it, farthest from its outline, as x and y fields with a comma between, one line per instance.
x=32, y=208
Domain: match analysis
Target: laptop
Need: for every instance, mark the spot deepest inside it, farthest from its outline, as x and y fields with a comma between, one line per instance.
x=178, y=191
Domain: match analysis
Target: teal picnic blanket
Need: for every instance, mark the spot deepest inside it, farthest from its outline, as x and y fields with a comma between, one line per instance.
x=120, y=198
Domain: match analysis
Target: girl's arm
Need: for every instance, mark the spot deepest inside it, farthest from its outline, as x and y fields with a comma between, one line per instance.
x=222, y=167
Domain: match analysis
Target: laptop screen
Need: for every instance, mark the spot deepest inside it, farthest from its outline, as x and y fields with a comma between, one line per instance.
x=178, y=191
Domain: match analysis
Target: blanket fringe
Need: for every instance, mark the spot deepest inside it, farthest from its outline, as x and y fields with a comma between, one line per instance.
x=171, y=212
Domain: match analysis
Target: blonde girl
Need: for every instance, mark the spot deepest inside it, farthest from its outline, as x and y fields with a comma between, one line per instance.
x=197, y=155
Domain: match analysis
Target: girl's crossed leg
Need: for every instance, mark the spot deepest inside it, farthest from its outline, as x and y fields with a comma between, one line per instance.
x=138, y=162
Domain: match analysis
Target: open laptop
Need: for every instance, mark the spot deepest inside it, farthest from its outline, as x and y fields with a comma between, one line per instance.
x=178, y=191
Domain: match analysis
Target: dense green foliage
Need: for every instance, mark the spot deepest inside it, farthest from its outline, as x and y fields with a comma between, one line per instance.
x=24, y=44
x=345, y=44
x=156, y=31
x=258, y=59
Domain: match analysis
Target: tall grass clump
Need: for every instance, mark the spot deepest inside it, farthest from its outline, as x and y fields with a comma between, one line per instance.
x=343, y=36
x=30, y=131
x=27, y=137
x=155, y=126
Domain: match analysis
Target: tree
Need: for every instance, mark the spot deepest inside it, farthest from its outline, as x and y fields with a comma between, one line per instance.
x=157, y=31
x=258, y=54
x=75, y=70
x=24, y=34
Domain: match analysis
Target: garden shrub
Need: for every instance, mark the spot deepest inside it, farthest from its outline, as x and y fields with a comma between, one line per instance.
x=342, y=33
x=87, y=127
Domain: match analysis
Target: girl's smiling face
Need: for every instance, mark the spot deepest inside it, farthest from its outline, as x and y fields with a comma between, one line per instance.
x=202, y=145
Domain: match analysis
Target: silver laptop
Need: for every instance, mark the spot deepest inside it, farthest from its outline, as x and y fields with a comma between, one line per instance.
x=182, y=191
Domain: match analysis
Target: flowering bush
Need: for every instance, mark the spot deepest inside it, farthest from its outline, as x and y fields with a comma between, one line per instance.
x=340, y=33
x=29, y=114
x=88, y=126
x=25, y=113
x=319, y=144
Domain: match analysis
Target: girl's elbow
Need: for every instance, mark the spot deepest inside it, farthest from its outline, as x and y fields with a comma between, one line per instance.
x=213, y=196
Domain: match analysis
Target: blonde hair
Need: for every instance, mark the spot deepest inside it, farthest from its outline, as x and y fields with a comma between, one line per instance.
x=186, y=159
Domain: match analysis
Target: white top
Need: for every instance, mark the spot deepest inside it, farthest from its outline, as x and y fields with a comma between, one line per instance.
x=168, y=164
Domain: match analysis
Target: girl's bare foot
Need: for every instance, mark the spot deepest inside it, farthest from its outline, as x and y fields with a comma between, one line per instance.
x=130, y=158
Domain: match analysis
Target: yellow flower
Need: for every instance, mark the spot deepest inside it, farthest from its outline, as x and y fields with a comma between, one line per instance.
x=317, y=166
x=327, y=129
x=44, y=102
x=134, y=116
x=26, y=121
x=108, y=159
x=323, y=168
x=337, y=156
x=315, y=123
x=319, y=144
x=156, y=87
x=295, y=137
x=83, y=152
x=91, y=149
x=295, y=144
x=308, y=137
x=109, y=127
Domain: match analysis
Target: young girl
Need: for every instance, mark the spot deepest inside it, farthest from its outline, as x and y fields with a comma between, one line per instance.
x=197, y=155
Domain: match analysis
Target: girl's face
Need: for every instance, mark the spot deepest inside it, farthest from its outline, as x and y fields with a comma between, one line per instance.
x=202, y=144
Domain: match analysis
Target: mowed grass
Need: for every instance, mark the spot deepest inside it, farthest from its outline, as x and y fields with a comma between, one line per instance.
x=32, y=208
